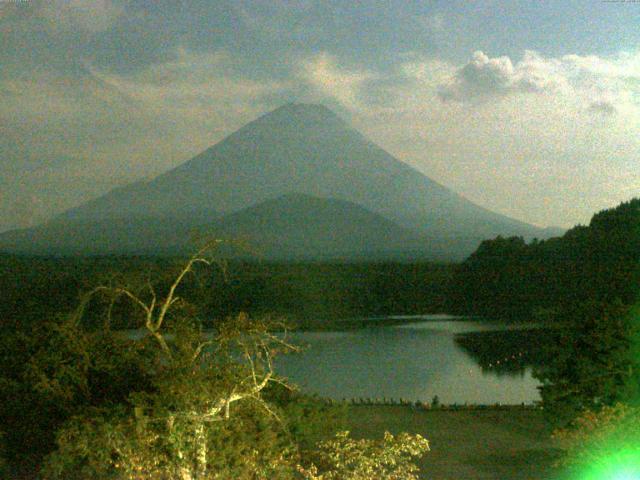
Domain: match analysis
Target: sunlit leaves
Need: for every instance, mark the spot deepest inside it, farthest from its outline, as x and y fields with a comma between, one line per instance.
x=344, y=458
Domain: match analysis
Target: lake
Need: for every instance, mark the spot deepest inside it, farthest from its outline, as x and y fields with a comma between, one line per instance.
x=413, y=361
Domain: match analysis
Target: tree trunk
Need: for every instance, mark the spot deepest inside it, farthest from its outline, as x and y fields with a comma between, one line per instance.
x=201, y=451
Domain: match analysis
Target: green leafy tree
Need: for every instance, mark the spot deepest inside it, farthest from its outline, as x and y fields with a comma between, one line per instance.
x=592, y=364
x=344, y=458
x=56, y=371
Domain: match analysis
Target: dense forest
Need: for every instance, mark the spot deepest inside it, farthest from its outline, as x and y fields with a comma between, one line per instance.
x=508, y=278
x=586, y=286
x=308, y=294
x=82, y=399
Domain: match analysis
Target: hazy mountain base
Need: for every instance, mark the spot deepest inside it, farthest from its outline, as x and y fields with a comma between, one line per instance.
x=289, y=228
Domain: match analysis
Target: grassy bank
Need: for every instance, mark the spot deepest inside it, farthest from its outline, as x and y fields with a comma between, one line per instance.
x=493, y=444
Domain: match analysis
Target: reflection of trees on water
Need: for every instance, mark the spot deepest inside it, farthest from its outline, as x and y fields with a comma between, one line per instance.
x=506, y=352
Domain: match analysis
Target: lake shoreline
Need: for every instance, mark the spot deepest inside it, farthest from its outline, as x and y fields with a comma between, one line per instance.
x=426, y=407
x=356, y=323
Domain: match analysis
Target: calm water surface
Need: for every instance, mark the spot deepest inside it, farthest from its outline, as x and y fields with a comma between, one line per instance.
x=414, y=361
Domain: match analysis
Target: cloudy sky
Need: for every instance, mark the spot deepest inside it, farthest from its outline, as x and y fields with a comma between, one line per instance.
x=531, y=109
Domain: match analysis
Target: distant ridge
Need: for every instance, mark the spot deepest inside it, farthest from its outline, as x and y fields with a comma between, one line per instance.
x=296, y=149
x=297, y=226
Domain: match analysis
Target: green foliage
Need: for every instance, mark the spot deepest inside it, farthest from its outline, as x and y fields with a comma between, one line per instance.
x=205, y=405
x=170, y=437
x=56, y=370
x=584, y=284
x=74, y=367
x=4, y=467
x=490, y=281
x=592, y=365
x=506, y=277
x=204, y=416
x=309, y=420
x=344, y=458
x=201, y=415
x=37, y=288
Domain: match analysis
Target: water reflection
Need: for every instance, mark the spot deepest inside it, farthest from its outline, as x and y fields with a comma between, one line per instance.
x=412, y=362
x=506, y=352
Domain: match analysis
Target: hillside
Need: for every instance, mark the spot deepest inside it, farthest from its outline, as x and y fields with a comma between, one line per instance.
x=509, y=277
x=297, y=226
x=290, y=227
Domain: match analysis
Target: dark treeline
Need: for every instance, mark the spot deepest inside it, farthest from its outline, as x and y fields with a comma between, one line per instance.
x=508, y=352
x=587, y=284
x=308, y=294
x=504, y=278
x=508, y=278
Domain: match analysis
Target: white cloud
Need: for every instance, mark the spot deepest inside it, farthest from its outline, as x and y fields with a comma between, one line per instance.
x=193, y=88
x=429, y=72
x=485, y=77
x=546, y=140
x=328, y=79
x=591, y=81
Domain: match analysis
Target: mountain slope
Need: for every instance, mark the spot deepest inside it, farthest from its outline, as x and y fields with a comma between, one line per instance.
x=309, y=150
x=303, y=227
x=292, y=226
x=306, y=149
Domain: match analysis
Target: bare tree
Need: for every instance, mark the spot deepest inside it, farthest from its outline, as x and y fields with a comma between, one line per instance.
x=201, y=376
